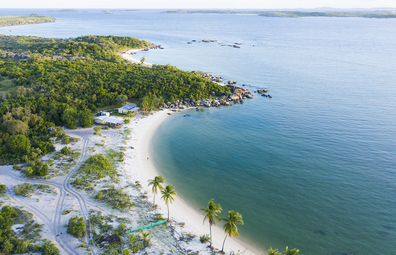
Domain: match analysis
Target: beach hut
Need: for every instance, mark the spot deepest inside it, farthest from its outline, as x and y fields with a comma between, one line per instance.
x=103, y=114
x=104, y=120
x=128, y=108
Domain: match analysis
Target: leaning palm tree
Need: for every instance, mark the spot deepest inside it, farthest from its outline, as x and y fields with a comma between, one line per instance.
x=211, y=214
x=230, y=227
x=167, y=195
x=157, y=184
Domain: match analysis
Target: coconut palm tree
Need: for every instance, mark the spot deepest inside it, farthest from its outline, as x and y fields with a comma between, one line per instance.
x=167, y=195
x=294, y=251
x=157, y=184
x=230, y=227
x=273, y=252
x=211, y=214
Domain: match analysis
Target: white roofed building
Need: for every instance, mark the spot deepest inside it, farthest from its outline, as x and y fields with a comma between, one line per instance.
x=104, y=120
x=128, y=108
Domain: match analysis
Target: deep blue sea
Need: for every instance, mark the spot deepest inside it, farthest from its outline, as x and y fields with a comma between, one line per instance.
x=315, y=166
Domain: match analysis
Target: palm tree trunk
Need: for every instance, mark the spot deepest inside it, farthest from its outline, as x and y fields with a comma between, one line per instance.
x=210, y=228
x=168, y=211
x=222, y=248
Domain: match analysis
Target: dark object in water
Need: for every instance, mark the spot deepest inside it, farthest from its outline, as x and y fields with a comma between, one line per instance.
x=318, y=231
x=382, y=234
x=388, y=227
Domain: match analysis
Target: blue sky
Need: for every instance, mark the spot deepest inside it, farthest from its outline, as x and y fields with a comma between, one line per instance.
x=197, y=4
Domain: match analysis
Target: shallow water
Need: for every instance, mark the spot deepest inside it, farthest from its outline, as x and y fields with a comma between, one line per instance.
x=313, y=167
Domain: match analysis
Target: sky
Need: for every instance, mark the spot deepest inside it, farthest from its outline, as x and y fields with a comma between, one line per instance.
x=196, y=4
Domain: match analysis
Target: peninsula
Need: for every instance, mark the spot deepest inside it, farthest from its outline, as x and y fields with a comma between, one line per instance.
x=296, y=14
x=92, y=181
x=23, y=20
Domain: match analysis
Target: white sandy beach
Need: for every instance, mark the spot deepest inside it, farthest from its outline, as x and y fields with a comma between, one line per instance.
x=141, y=169
x=127, y=55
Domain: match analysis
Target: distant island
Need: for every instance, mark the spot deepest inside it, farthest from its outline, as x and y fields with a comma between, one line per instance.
x=23, y=20
x=129, y=10
x=108, y=12
x=296, y=14
x=357, y=14
x=212, y=12
x=65, y=10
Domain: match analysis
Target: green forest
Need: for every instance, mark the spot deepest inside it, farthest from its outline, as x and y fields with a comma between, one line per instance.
x=44, y=89
x=23, y=20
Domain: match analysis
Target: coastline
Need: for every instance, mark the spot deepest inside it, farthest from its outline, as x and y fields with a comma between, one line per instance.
x=139, y=168
x=127, y=55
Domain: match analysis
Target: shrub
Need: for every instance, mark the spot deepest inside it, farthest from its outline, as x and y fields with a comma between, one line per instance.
x=204, y=238
x=37, y=168
x=18, y=144
x=66, y=150
x=98, y=166
x=97, y=130
x=76, y=227
x=25, y=189
x=3, y=189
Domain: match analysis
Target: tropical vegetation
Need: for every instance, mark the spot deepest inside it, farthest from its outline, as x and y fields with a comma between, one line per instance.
x=230, y=227
x=211, y=214
x=167, y=195
x=156, y=184
x=76, y=227
x=55, y=82
x=26, y=240
x=286, y=252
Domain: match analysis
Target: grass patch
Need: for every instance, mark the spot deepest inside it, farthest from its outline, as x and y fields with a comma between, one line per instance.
x=26, y=189
x=115, y=156
x=97, y=167
x=115, y=198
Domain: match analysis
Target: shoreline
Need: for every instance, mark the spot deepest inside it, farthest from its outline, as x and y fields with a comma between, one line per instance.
x=180, y=210
x=127, y=55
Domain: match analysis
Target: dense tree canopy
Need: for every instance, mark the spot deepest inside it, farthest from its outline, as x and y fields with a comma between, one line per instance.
x=52, y=91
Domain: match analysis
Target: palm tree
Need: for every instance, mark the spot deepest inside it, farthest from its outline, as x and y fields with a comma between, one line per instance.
x=230, y=227
x=211, y=214
x=157, y=184
x=294, y=251
x=273, y=252
x=167, y=195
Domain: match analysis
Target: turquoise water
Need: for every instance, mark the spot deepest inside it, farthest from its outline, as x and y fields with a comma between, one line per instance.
x=313, y=167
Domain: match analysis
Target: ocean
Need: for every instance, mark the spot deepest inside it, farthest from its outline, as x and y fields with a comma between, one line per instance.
x=314, y=166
